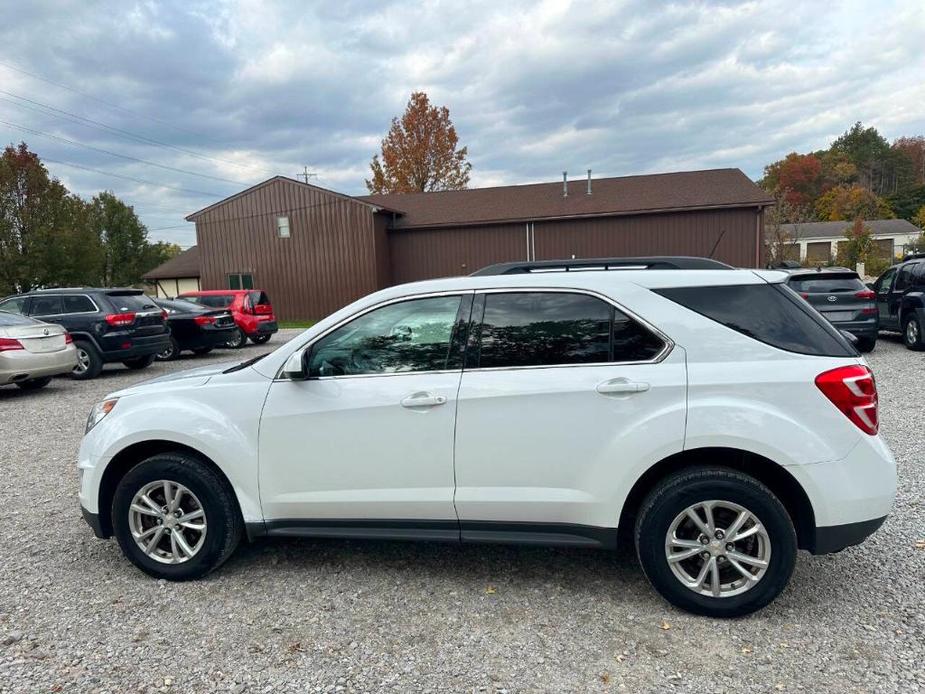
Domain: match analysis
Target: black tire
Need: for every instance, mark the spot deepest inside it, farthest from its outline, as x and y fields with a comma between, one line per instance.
x=140, y=362
x=90, y=363
x=866, y=344
x=912, y=333
x=34, y=383
x=224, y=526
x=687, y=487
x=238, y=339
x=199, y=351
x=260, y=339
x=170, y=352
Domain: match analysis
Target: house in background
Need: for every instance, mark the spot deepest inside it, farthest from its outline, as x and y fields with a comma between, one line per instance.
x=818, y=242
x=179, y=274
x=315, y=250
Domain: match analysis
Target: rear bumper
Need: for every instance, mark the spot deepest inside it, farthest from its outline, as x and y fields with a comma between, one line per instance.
x=140, y=347
x=208, y=338
x=265, y=328
x=835, y=538
x=866, y=328
x=20, y=365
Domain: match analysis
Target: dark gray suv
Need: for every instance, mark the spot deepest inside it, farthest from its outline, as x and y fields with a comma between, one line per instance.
x=842, y=298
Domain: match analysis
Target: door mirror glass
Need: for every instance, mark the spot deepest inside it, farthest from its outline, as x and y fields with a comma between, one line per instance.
x=294, y=368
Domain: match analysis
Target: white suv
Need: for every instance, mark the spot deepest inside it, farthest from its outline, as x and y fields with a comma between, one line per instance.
x=708, y=415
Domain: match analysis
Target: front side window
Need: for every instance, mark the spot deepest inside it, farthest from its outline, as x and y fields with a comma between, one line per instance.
x=559, y=329
x=885, y=283
x=404, y=337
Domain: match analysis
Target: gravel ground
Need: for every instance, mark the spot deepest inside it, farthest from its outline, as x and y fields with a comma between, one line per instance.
x=366, y=616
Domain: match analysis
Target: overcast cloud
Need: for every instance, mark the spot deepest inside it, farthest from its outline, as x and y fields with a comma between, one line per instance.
x=244, y=90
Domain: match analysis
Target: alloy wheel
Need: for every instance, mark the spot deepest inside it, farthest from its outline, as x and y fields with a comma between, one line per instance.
x=167, y=522
x=166, y=353
x=83, y=361
x=717, y=548
x=912, y=332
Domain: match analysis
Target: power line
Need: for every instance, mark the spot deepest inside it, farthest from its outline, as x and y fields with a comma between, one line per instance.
x=175, y=226
x=107, y=103
x=90, y=122
x=116, y=154
x=132, y=178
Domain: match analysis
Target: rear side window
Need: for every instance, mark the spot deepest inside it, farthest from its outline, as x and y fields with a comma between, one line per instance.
x=769, y=313
x=559, y=329
x=77, y=304
x=257, y=298
x=826, y=283
x=213, y=300
x=45, y=306
x=902, y=278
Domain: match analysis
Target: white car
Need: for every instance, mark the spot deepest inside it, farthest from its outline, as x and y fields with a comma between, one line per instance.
x=708, y=415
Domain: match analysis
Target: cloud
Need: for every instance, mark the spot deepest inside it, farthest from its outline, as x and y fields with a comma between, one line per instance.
x=251, y=88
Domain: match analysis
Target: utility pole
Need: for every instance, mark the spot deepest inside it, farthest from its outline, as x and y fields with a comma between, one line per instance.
x=306, y=174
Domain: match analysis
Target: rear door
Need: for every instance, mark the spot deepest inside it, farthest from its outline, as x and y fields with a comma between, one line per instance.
x=563, y=395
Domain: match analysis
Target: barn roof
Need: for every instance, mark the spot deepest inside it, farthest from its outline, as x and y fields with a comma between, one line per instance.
x=184, y=265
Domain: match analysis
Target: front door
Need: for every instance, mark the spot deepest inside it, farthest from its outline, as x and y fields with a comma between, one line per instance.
x=368, y=438
x=563, y=399
x=883, y=288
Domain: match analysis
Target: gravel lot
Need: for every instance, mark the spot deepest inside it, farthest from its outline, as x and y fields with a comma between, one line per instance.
x=366, y=616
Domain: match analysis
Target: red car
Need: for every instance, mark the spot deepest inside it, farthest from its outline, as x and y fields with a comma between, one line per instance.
x=250, y=308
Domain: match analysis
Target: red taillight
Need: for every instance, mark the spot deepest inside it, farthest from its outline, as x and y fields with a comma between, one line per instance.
x=865, y=294
x=164, y=313
x=804, y=295
x=852, y=390
x=204, y=320
x=120, y=319
x=8, y=344
x=68, y=339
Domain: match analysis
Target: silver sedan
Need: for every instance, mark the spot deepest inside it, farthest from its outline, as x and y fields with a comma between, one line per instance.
x=31, y=352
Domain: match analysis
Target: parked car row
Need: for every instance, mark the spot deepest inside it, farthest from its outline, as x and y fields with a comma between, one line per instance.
x=49, y=332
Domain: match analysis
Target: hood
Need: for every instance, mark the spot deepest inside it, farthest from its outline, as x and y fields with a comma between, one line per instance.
x=187, y=378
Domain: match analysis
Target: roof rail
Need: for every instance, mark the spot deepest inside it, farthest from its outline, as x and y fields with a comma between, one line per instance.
x=664, y=262
x=913, y=256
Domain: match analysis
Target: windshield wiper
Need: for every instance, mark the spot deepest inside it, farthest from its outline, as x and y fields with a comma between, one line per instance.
x=244, y=364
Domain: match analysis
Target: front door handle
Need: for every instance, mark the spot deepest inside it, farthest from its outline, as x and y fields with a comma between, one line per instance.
x=621, y=385
x=423, y=400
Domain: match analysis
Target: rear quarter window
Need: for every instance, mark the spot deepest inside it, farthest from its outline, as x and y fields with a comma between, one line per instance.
x=213, y=300
x=770, y=313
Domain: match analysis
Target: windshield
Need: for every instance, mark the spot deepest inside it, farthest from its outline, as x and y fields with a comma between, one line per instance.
x=828, y=283
x=132, y=302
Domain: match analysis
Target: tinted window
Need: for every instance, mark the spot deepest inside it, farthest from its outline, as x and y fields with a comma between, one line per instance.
x=918, y=273
x=131, y=302
x=8, y=319
x=556, y=328
x=770, y=313
x=213, y=301
x=885, y=283
x=178, y=306
x=45, y=306
x=404, y=337
x=826, y=283
x=14, y=305
x=77, y=304
x=902, y=278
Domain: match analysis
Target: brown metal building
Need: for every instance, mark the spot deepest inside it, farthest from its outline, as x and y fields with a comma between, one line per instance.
x=315, y=250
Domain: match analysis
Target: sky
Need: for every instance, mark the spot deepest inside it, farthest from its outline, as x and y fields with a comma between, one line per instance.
x=174, y=105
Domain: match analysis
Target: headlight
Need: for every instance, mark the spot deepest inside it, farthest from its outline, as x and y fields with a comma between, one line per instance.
x=100, y=410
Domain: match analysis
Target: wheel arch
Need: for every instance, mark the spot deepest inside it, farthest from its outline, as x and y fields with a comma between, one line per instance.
x=773, y=475
x=132, y=455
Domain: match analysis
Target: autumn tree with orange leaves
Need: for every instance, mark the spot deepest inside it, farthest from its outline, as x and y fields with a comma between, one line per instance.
x=420, y=152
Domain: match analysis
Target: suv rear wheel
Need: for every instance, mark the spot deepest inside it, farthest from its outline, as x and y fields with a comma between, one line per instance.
x=715, y=541
x=912, y=332
x=140, y=362
x=175, y=517
x=89, y=361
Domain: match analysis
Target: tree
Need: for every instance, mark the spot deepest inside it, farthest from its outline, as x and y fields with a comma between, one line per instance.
x=919, y=218
x=782, y=230
x=45, y=237
x=859, y=245
x=881, y=169
x=797, y=178
x=419, y=154
x=851, y=202
x=906, y=202
x=914, y=149
x=124, y=239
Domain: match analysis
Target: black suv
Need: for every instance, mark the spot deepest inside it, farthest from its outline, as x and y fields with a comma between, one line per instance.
x=901, y=300
x=107, y=325
x=842, y=298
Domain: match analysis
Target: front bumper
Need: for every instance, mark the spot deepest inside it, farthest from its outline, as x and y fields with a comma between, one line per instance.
x=835, y=538
x=93, y=520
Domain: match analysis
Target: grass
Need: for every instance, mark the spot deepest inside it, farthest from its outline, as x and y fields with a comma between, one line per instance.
x=297, y=324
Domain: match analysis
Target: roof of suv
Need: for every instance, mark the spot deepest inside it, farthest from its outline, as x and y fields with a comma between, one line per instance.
x=120, y=291
x=219, y=292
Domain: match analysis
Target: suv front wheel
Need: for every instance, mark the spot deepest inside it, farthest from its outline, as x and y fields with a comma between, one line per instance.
x=89, y=361
x=715, y=541
x=175, y=517
x=912, y=332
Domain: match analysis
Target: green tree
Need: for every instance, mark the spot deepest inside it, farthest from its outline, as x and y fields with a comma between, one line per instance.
x=907, y=202
x=881, y=169
x=859, y=245
x=851, y=202
x=124, y=239
x=45, y=237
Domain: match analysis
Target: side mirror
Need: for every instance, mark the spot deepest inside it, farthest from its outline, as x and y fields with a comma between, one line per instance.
x=295, y=367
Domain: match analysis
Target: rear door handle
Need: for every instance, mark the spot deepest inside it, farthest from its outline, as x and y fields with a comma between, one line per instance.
x=423, y=400
x=621, y=385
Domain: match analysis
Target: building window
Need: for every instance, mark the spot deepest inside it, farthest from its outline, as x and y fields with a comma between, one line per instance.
x=282, y=227
x=240, y=281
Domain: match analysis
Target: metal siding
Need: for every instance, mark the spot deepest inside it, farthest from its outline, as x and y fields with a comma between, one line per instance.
x=328, y=261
